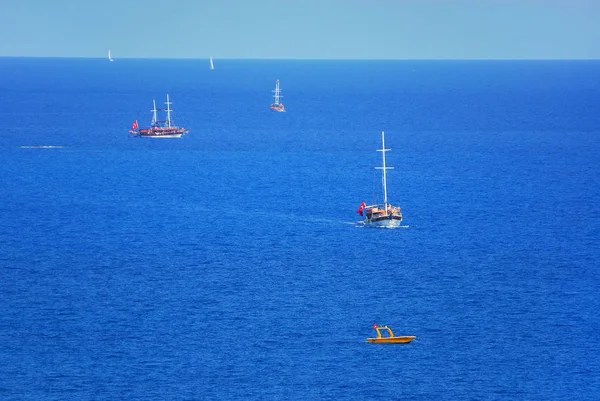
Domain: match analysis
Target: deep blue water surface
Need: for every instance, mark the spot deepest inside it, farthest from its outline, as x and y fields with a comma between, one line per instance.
x=228, y=265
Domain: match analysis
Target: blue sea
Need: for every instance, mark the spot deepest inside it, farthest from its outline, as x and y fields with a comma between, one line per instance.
x=229, y=265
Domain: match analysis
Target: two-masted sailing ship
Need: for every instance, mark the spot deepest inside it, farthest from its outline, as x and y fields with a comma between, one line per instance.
x=385, y=214
x=277, y=105
x=159, y=128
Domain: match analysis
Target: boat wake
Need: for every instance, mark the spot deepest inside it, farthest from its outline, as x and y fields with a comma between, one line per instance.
x=320, y=220
x=42, y=147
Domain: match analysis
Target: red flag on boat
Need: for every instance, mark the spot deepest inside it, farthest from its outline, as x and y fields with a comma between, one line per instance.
x=134, y=126
x=360, y=208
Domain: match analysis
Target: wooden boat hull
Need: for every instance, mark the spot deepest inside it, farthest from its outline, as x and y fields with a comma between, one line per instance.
x=386, y=222
x=167, y=136
x=279, y=108
x=391, y=340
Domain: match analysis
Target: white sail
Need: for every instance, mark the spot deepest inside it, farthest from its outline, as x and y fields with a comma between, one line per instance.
x=109, y=57
x=212, y=67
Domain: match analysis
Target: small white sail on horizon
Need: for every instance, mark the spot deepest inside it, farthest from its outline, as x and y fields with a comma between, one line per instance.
x=212, y=66
x=109, y=57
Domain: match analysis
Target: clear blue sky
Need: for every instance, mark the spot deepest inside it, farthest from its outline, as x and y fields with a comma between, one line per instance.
x=321, y=29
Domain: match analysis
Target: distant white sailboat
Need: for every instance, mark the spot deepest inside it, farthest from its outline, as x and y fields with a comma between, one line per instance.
x=212, y=66
x=109, y=57
x=277, y=105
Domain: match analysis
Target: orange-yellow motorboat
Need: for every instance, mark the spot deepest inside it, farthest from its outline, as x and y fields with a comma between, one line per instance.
x=388, y=340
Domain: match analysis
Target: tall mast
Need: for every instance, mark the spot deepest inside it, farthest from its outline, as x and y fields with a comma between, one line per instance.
x=154, y=112
x=168, y=112
x=276, y=92
x=384, y=168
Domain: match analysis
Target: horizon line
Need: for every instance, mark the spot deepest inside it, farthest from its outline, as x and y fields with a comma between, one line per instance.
x=302, y=58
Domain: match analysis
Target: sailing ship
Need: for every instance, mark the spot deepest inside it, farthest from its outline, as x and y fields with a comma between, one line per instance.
x=277, y=105
x=381, y=215
x=212, y=66
x=109, y=57
x=159, y=128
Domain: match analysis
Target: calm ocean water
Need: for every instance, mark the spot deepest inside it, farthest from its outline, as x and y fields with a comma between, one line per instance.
x=228, y=265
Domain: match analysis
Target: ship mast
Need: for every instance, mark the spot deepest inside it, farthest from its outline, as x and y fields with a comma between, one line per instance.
x=384, y=168
x=154, y=112
x=168, y=112
x=276, y=93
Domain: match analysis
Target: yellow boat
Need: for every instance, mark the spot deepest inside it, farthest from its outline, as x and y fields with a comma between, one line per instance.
x=388, y=340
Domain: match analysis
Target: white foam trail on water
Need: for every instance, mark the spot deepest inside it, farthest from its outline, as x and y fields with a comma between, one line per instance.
x=361, y=224
x=42, y=147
